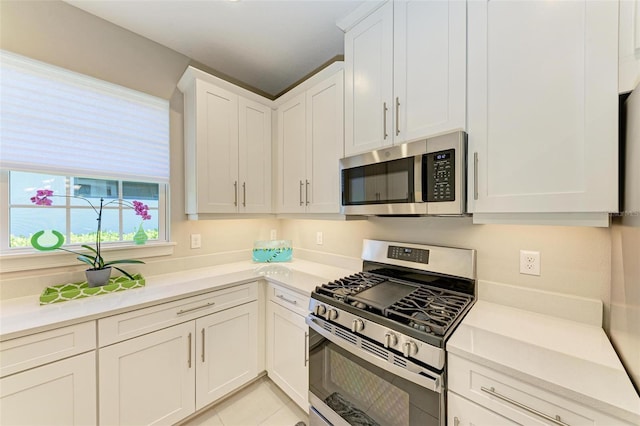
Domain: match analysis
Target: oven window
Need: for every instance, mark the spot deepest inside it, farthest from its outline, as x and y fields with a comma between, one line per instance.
x=365, y=395
x=381, y=183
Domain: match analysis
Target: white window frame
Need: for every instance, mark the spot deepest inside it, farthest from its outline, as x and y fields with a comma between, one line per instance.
x=13, y=259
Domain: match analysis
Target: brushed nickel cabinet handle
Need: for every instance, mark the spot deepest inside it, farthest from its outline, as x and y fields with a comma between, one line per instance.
x=475, y=175
x=555, y=420
x=235, y=193
x=244, y=194
x=189, y=350
x=306, y=348
x=202, y=354
x=293, y=302
x=306, y=192
x=384, y=120
x=184, y=311
x=301, y=185
x=397, y=116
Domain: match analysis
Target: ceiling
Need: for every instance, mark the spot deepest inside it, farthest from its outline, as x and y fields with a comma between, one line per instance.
x=266, y=44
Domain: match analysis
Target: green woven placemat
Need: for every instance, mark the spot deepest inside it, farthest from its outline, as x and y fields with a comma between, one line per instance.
x=73, y=291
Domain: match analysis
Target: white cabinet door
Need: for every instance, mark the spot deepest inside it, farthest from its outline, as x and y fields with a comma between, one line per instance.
x=61, y=393
x=429, y=50
x=150, y=379
x=325, y=143
x=629, y=68
x=226, y=351
x=368, y=83
x=254, y=153
x=543, y=106
x=287, y=356
x=217, y=149
x=462, y=412
x=292, y=153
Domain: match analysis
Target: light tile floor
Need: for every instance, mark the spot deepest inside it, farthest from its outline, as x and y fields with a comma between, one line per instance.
x=260, y=404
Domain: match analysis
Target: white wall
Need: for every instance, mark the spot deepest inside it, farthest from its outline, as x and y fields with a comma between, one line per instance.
x=574, y=260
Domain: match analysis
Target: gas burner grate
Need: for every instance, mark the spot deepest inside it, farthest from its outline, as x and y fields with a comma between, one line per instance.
x=341, y=288
x=427, y=309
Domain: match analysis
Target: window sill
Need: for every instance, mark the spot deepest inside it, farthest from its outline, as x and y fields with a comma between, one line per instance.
x=29, y=259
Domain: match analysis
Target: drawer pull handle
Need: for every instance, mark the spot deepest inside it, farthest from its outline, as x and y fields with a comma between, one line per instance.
x=293, y=302
x=189, y=346
x=184, y=311
x=492, y=391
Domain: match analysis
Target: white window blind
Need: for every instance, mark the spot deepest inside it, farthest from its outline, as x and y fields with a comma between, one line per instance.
x=57, y=121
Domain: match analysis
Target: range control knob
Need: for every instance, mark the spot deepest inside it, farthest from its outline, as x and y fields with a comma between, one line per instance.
x=333, y=314
x=357, y=325
x=390, y=340
x=320, y=310
x=409, y=349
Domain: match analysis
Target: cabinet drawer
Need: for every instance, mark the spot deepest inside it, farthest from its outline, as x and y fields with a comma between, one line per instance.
x=290, y=299
x=42, y=348
x=136, y=323
x=516, y=399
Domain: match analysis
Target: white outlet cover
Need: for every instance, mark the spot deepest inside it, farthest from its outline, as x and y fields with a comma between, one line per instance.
x=530, y=262
x=319, y=238
x=196, y=241
x=273, y=234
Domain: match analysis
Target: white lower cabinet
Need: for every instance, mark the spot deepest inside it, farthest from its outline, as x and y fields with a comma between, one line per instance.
x=287, y=344
x=479, y=395
x=462, y=412
x=226, y=352
x=49, y=378
x=61, y=393
x=191, y=353
x=149, y=379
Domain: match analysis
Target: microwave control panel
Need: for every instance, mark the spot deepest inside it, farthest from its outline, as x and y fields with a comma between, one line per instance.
x=439, y=172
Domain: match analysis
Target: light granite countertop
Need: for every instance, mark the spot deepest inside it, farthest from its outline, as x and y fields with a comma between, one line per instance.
x=25, y=315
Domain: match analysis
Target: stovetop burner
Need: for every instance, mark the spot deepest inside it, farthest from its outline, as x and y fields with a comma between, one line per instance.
x=426, y=309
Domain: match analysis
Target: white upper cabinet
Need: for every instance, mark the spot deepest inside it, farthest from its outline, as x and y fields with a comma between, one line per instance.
x=368, y=52
x=429, y=56
x=291, y=152
x=629, y=68
x=227, y=147
x=405, y=74
x=310, y=145
x=543, y=107
x=254, y=174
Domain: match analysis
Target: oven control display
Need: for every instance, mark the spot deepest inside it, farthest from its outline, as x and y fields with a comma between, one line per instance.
x=439, y=171
x=408, y=254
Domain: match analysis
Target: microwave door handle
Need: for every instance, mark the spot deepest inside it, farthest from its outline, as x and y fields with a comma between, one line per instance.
x=412, y=373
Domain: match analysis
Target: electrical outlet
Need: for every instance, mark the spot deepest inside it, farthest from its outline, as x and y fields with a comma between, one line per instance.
x=530, y=262
x=196, y=241
x=273, y=235
x=319, y=238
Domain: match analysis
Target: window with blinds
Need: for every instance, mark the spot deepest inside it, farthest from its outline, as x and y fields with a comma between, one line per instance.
x=78, y=136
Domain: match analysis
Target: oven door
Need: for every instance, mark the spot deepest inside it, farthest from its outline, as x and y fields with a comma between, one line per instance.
x=353, y=381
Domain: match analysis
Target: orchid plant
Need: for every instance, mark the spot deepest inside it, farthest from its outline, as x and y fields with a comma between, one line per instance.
x=44, y=197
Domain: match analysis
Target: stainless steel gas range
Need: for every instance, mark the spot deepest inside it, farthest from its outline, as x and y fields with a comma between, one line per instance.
x=377, y=343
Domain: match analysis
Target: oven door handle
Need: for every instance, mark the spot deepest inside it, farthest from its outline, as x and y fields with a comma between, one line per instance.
x=413, y=372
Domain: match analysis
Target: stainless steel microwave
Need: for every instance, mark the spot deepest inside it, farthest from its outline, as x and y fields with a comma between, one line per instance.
x=427, y=177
